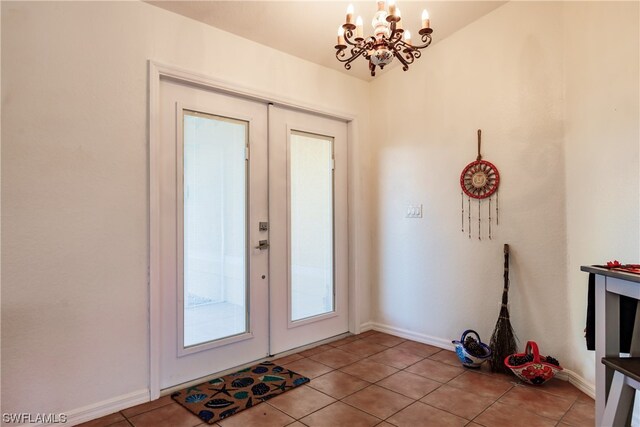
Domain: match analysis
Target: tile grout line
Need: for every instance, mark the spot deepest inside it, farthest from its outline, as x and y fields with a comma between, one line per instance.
x=335, y=400
x=485, y=410
x=312, y=412
x=459, y=416
x=393, y=391
x=568, y=410
x=350, y=394
x=526, y=410
x=493, y=403
x=369, y=385
x=361, y=358
x=148, y=410
x=382, y=419
x=381, y=379
x=575, y=402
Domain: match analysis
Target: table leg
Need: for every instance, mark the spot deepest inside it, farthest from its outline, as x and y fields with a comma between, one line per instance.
x=635, y=339
x=635, y=352
x=607, y=340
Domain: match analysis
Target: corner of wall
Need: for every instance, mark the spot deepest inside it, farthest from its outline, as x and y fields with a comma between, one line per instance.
x=601, y=134
x=564, y=130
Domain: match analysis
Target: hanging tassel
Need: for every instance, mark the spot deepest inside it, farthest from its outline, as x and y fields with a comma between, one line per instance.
x=469, y=209
x=489, y=218
x=462, y=215
x=497, y=216
x=479, y=218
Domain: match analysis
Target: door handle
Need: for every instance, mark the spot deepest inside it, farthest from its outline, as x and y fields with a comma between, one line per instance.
x=262, y=245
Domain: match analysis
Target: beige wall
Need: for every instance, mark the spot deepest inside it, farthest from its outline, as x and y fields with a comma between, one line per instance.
x=602, y=146
x=558, y=106
x=75, y=184
x=501, y=74
x=548, y=95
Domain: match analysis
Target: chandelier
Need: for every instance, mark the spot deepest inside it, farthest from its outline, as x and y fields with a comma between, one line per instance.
x=389, y=39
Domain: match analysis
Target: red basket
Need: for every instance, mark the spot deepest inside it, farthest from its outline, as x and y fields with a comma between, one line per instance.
x=537, y=372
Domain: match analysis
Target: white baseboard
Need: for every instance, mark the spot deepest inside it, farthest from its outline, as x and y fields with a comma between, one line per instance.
x=414, y=336
x=109, y=406
x=579, y=382
x=106, y=407
x=100, y=409
x=566, y=375
x=367, y=326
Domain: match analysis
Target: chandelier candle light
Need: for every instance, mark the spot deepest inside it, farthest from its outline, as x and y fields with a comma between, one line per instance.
x=389, y=39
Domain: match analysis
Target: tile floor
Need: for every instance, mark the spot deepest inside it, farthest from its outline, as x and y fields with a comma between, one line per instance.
x=375, y=379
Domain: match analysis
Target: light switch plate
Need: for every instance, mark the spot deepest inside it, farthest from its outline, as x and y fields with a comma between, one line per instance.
x=414, y=211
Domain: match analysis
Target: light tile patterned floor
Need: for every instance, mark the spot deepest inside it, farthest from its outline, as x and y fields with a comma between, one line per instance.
x=375, y=379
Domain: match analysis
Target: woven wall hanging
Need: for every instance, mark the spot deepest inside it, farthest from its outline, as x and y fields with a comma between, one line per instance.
x=479, y=180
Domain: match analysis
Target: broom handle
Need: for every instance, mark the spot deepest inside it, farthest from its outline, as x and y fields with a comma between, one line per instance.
x=505, y=291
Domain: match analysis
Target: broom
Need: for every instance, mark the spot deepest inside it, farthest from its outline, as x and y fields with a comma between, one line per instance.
x=503, y=340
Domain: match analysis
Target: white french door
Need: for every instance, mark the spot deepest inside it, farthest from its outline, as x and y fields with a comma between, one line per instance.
x=214, y=288
x=308, y=217
x=252, y=230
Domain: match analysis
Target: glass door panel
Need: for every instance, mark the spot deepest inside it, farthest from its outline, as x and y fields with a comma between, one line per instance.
x=311, y=225
x=214, y=226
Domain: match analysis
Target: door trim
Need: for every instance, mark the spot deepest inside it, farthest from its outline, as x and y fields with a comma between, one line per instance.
x=158, y=71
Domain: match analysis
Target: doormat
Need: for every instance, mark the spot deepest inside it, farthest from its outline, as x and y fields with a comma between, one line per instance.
x=230, y=394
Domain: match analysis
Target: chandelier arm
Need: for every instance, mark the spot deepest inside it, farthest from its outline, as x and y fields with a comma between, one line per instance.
x=400, y=45
x=348, y=35
x=408, y=56
x=411, y=53
x=405, y=64
x=395, y=37
x=355, y=53
x=416, y=47
x=347, y=64
x=426, y=38
x=395, y=40
x=368, y=43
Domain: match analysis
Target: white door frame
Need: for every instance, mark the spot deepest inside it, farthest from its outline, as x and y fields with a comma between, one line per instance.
x=156, y=72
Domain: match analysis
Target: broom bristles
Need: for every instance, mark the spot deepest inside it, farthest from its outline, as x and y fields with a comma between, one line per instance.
x=503, y=342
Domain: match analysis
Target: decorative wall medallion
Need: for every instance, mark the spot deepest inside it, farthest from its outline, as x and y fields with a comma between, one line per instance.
x=479, y=180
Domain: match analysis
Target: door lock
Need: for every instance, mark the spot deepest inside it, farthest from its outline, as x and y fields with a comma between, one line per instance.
x=262, y=245
x=263, y=226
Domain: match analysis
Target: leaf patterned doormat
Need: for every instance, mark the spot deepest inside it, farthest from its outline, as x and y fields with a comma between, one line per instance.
x=230, y=394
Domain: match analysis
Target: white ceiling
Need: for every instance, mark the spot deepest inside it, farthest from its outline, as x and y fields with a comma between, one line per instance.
x=308, y=29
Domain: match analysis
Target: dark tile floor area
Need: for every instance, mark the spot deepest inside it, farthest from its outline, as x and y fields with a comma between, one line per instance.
x=376, y=379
